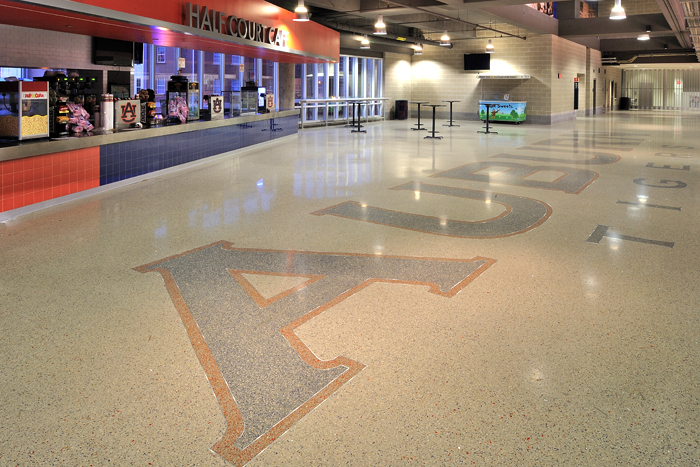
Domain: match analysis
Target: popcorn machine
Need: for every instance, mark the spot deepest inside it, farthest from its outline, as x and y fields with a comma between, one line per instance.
x=24, y=109
x=182, y=99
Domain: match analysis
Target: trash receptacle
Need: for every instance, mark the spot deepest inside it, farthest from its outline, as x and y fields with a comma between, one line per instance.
x=625, y=103
x=401, y=110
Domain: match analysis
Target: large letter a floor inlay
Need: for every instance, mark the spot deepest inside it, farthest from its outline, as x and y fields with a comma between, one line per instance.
x=264, y=377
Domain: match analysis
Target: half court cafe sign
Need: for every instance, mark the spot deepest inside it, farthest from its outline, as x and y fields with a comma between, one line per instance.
x=206, y=19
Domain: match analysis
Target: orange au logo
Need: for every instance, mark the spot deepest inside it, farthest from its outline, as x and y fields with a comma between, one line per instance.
x=129, y=113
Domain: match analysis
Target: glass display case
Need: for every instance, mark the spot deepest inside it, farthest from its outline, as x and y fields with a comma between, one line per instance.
x=193, y=101
x=182, y=100
x=235, y=103
x=249, y=99
x=24, y=109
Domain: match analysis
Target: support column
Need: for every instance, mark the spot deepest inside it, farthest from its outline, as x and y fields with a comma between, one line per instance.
x=286, y=85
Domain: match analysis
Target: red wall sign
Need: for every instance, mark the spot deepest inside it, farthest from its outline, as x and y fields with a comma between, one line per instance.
x=163, y=22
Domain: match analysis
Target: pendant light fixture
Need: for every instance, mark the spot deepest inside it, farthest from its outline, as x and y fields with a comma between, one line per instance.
x=489, y=47
x=445, y=39
x=618, y=12
x=364, y=44
x=300, y=12
x=645, y=37
x=380, y=27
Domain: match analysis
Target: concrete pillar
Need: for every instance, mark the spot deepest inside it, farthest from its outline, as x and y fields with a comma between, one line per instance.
x=286, y=86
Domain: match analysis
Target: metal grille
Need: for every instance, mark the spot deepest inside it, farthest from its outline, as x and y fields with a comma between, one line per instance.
x=662, y=89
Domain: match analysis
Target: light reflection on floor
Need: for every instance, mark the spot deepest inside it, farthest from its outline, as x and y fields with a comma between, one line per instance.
x=577, y=346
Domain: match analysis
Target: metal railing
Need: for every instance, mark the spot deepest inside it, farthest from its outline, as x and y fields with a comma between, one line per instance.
x=325, y=104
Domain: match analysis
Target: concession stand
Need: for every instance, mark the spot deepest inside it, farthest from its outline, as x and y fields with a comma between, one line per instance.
x=501, y=108
x=131, y=140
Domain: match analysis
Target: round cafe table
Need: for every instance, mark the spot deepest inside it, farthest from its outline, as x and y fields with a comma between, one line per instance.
x=432, y=133
x=488, y=106
x=418, y=126
x=451, y=122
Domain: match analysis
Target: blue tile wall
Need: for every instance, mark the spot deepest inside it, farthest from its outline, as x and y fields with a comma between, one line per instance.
x=133, y=158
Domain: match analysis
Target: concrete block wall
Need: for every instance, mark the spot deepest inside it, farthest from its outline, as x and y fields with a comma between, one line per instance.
x=36, y=48
x=439, y=75
x=633, y=7
x=596, y=76
x=397, y=80
x=568, y=62
x=530, y=57
x=551, y=61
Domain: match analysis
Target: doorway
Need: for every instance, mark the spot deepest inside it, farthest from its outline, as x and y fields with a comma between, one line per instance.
x=594, y=85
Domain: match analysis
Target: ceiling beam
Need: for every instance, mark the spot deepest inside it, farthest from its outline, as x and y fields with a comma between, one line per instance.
x=631, y=26
x=522, y=16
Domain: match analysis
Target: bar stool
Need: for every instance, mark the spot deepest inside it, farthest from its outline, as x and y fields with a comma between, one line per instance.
x=451, y=121
x=418, y=126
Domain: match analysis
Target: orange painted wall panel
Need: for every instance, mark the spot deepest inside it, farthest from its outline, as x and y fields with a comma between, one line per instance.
x=36, y=179
x=308, y=37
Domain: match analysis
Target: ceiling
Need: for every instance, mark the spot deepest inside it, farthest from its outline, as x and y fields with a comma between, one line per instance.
x=673, y=26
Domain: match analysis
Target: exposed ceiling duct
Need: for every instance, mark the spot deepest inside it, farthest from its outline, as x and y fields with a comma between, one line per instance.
x=615, y=61
x=387, y=39
x=691, y=10
x=673, y=26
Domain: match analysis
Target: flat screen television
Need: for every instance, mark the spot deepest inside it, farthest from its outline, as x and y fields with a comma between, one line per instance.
x=477, y=62
x=112, y=52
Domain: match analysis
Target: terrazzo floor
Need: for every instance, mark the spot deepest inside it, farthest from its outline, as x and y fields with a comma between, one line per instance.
x=334, y=298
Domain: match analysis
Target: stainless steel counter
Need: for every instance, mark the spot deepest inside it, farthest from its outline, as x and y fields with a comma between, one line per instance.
x=40, y=147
